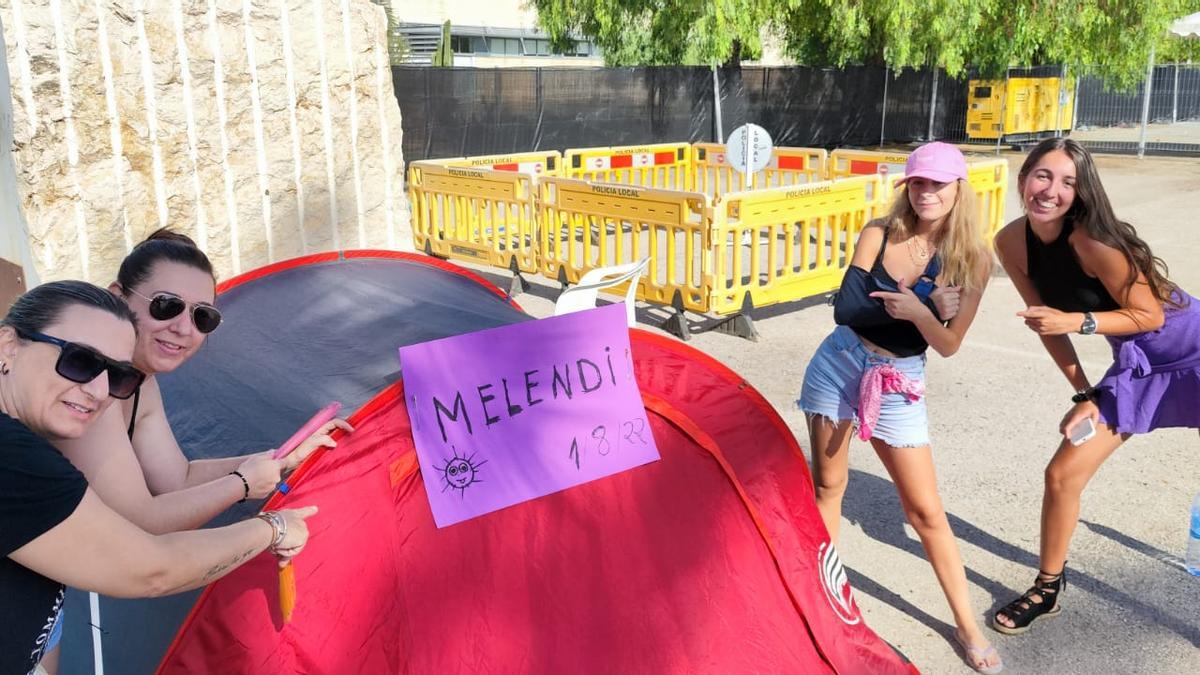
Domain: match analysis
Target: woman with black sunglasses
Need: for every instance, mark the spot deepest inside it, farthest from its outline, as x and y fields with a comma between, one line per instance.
x=130, y=455
x=66, y=350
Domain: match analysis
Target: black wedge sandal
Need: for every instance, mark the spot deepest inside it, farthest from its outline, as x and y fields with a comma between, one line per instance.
x=1039, y=601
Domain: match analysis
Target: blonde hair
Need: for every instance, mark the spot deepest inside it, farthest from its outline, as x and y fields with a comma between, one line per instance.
x=965, y=256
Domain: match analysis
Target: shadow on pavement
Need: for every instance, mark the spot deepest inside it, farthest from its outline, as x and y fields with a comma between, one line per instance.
x=1136, y=545
x=872, y=504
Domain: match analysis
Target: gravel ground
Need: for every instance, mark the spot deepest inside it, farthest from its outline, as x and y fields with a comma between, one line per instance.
x=1129, y=607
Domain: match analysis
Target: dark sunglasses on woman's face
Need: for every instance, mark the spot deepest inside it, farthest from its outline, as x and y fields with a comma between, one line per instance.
x=165, y=306
x=82, y=364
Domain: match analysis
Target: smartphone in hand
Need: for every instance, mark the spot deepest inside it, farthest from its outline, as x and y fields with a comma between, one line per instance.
x=1082, y=432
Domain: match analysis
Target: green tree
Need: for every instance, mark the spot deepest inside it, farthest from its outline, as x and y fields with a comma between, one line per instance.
x=1109, y=38
x=658, y=32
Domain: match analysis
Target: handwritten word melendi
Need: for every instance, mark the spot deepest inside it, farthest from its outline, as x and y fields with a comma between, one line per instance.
x=490, y=403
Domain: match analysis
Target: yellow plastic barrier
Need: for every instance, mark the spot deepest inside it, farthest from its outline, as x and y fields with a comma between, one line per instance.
x=474, y=214
x=989, y=178
x=787, y=243
x=844, y=163
x=542, y=163
x=711, y=172
x=549, y=162
x=795, y=166
x=663, y=166
x=713, y=175
x=754, y=248
x=587, y=225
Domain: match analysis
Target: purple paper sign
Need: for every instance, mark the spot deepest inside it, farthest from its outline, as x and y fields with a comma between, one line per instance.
x=509, y=414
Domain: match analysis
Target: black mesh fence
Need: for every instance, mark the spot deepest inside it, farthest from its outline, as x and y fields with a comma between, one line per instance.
x=452, y=112
x=805, y=107
x=1174, y=97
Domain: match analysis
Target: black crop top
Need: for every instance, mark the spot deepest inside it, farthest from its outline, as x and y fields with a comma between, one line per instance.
x=854, y=307
x=1058, y=277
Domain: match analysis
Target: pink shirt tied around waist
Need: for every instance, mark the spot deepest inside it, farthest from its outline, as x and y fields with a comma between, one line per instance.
x=878, y=380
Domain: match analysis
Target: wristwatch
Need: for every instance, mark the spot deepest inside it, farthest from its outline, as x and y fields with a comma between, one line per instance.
x=1089, y=324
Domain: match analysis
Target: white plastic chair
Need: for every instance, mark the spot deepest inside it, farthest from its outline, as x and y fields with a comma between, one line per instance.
x=583, y=295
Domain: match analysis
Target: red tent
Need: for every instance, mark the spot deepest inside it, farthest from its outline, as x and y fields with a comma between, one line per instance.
x=713, y=559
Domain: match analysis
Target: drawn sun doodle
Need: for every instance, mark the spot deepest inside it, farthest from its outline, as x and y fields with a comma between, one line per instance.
x=460, y=473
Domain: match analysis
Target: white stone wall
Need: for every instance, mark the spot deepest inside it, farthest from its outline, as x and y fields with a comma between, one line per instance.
x=14, y=241
x=265, y=129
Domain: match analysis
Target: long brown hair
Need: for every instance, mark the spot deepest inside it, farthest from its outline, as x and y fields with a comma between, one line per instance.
x=966, y=259
x=1092, y=210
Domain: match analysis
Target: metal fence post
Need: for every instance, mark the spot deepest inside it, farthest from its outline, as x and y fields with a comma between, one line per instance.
x=717, y=106
x=1003, y=111
x=1075, y=107
x=1175, y=96
x=932, y=103
x=541, y=106
x=1146, y=103
x=428, y=118
x=883, y=117
x=1062, y=98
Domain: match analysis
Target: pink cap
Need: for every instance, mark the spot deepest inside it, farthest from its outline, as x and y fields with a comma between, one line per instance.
x=937, y=161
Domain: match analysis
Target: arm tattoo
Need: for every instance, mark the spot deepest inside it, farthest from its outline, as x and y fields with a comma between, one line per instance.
x=220, y=568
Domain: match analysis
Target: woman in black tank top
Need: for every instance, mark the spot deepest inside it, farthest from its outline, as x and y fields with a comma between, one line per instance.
x=170, y=285
x=870, y=372
x=1081, y=270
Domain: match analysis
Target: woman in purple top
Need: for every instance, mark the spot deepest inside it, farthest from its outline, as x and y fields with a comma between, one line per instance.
x=1081, y=270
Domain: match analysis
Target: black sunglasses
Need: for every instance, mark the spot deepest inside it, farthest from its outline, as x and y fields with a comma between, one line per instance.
x=82, y=364
x=165, y=306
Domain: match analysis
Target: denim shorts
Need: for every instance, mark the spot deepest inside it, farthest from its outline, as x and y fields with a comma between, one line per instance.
x=831, y=389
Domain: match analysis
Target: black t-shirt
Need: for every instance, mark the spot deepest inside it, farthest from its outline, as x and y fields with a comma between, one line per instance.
x=39, y=488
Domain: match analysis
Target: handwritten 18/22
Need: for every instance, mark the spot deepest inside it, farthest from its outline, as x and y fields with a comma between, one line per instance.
x=630, y=432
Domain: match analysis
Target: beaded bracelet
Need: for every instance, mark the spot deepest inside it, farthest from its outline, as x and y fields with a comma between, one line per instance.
x=245, y=485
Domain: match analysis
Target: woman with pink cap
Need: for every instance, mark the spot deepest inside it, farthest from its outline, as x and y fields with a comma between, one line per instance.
x=915, y=282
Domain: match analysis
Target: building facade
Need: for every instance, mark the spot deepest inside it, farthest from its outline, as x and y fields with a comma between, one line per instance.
x=484, y=34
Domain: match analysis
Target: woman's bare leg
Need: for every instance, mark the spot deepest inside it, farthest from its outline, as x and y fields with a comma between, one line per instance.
x=830, y=447
x=912, y=471
x=1067, y=474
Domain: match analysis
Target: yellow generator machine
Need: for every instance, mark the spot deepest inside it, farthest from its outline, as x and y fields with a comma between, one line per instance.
x=1031, y=107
